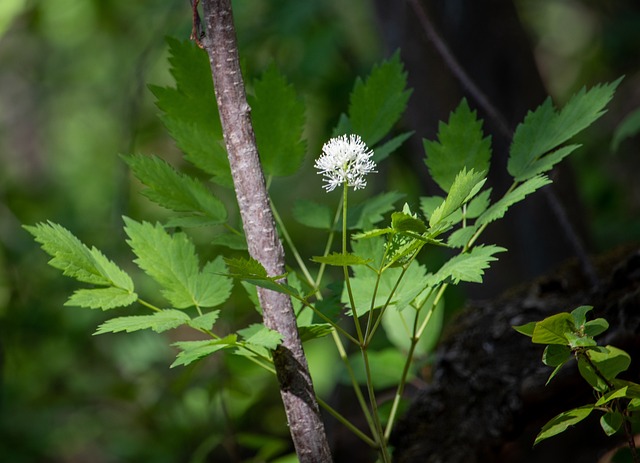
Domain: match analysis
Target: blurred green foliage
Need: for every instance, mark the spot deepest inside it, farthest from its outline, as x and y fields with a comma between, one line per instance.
x=73, y=95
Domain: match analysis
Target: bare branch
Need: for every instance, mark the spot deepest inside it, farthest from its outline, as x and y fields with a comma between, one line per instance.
x=307, y=429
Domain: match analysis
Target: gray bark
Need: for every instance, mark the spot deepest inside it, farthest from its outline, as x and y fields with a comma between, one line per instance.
x=307, y=429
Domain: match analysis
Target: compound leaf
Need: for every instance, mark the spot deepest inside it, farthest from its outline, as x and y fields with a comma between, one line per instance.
x=158, y=322
x=102, y=298
x=195, y=350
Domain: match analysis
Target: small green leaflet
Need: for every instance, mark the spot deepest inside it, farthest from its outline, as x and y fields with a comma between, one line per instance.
x=206, y=321
x=190, y=112
x=176, y=191
x=465, y=185
x=75, y=260
x=460, y=145
x=377, y=103
x=278, y=118
x=561, y=422
x=102, y=298
x=252, y=271
x=468, y=267
x=259, y=335
x=544, y=129
x=171, y=261
x=611, y=422
x=158, y=322
x=195, y=350
x=498, y=209
x=553, y=329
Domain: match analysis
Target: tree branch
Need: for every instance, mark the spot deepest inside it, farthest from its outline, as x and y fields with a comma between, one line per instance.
x=296, y=388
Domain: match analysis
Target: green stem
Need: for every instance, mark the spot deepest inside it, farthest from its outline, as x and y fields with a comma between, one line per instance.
x=346, y=422
x=332, y=234
x=379, y=434
x=345, y=268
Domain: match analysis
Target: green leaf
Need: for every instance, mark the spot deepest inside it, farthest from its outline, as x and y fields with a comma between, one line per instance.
x=314, y=331
x=553, y=329
x=629, y=127
x=158, y=322
x=174, y=190
x=498, y=209
x=190, y=111
x=261, y=336
x=555, y=355
x=206, y=321
x=382, y=152
x=562, y=421
x=278, y=118
x=460, y=145
x=386, y=368
x=546, y=163
x=469, y=266
x=609, y=362
x=544, y=129
x=102, y=298
x=579, y=315
x=312, y=214
x=231, y=241
x=370, y=211
x=611, y=422
x=398, y=326
x=341, y=260
x=377, y=103
x=195, y=350
x=407, y=222
x=245, y=267
x=172, y=262
x=461, y=237
x=596, y=327
x=76, y=260
x=612, y=395
x=465, y=185
x=526, y=329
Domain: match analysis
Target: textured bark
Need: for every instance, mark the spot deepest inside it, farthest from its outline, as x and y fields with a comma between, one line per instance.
x=307, y=429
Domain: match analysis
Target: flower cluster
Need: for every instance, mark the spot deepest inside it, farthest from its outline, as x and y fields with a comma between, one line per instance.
x=345, y=159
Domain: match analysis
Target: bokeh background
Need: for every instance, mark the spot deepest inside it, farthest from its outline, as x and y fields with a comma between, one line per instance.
x=73, y=96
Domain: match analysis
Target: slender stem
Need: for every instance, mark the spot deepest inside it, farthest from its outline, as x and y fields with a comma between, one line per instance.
x=149, y=305
x=347, y=423
x=332, y=234
x=345, y=268
x=292, y=246
x=379, y=434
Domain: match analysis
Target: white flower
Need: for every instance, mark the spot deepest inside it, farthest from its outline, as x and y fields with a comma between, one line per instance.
x=345, y=160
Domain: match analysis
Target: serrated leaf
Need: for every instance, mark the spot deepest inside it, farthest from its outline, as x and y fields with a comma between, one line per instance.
x=465, y=185
x=315, y=331
x=312, y=214
x=195, y=350
x=460, y=145
x=341, y=260
x=76, y=260
x=259, y=335
x=158, y=322
x=190, y=111
x=206, y=321
x=172, y=262
x=102, y=298
x=377, y=103
x=544, y=129
x=498, y=209
x=561, y=422
x=460, y=238
x=407, y=222
x=278, y=118
x=545, y=163
x=468, y=267
x=245, y=267
x=176, y=191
